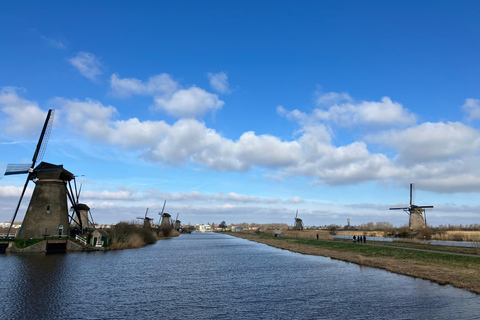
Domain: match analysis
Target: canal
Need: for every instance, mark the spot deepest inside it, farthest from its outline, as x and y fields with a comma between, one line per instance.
x=215, y=276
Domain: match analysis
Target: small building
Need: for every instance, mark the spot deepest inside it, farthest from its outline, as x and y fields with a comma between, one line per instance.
x=99, y=238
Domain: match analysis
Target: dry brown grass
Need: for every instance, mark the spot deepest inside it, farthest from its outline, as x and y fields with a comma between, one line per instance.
x=473, y=236
x=135, y=241
x=456, y=274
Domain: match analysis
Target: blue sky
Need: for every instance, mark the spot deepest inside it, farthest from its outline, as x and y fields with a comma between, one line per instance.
x=247, y=111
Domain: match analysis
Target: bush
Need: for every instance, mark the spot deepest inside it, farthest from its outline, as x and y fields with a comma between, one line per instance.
x=425, y=233
x=128, y=235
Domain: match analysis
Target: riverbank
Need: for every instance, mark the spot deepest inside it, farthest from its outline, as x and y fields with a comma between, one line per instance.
x=460, y=271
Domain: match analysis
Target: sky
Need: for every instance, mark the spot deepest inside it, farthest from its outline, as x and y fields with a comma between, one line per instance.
x=247, y=111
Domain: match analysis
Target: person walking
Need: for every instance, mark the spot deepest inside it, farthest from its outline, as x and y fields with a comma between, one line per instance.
x=364, y=239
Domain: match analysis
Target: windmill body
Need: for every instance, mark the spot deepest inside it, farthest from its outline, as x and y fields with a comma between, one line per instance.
x=166, y=224
x=417, y=219
x=47, y=212
x=81, y=216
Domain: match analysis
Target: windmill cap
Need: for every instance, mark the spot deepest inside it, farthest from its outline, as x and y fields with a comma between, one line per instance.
x=47, y=170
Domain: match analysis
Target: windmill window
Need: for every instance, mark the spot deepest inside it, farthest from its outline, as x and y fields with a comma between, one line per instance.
x=48, y=208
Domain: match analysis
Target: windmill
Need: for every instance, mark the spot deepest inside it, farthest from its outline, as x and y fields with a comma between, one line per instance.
x=146, y=220
x=298, y=223
x=47, y=212
x=161, y=213
x=418, y=219
x=81, y=210
x=177, y=224
x=165, y=224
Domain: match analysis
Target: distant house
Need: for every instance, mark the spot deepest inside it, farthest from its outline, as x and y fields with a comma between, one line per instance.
x=99, y=238
x=204, y=228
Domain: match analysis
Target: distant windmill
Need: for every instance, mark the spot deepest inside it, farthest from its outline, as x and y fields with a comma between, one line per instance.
x=161, y=213
x=418, y=219
x=298, y=223
x=47, y=212
x=146, y=220
x=83, y=216
x=177, y=224
x=165, y=224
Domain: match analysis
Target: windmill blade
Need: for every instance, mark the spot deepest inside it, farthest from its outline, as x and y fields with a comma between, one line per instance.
x=79, y=191
x=296, y=215
x=18, y=205
x=140, y=218
x=76, y=192
x=146, y=214
x=39, y=150
x=163, y=207
x=161, y=213
x=405, y=208
x=44, y=136
x=425, y=207
x=17, y=169
x=176, y=217
x=411, y=193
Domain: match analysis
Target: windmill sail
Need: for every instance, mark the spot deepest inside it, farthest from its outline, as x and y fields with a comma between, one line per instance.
x=37, y=155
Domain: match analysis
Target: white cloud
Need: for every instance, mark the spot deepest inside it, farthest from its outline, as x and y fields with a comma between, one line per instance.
x=87, y=64
x=15, y=192
x=155, y=85
x=428, y=152
x=431, y=141
x=374, y=113
x=295, y=200
x=472, y=108
x=189, y=103
x=115, y=195
x=168, y=96
x=25, y=117
x=50, y=41
x=331, y=98
x=349, y=114
x=219, y=82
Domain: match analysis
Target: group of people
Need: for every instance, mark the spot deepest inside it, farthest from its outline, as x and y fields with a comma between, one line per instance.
x=359, y=239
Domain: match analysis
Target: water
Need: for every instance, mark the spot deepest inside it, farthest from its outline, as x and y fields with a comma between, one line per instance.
x=432, y=242
x=215, y=276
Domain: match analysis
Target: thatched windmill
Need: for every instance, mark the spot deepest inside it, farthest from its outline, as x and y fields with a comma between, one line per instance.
x=298, y=223
x=418, y=219
x=146, y=220
x=47, y=213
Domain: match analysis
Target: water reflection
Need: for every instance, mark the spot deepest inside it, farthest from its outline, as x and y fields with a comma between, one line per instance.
x=214, y=276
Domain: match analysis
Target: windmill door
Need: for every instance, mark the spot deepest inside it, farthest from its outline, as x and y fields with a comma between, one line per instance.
x=95, y=241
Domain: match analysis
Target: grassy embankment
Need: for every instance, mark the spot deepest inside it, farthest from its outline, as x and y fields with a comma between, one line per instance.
x=458, y=271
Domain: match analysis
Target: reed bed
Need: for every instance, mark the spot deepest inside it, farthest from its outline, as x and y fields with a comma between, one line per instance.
x=473, y=236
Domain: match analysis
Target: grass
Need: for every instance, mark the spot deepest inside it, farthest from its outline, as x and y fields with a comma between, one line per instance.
x=459, y=271
x=26, y=243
